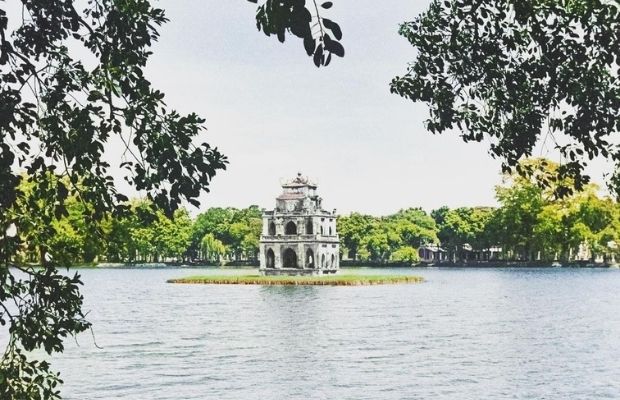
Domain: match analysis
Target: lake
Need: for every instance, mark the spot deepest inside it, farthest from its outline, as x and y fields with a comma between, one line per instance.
x=463, y=334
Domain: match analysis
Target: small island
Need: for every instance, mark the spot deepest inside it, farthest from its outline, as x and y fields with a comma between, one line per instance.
x=325, y=280
x=299, y=246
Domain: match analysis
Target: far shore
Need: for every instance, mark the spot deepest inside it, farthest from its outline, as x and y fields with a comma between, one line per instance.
x=349, y=265
x=360, y=265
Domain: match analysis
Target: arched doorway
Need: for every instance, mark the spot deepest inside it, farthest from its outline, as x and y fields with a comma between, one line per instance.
x=290, y=228
x=309, y=227
x=290, y=258
x=270, y=258
x=272, y=229
x=309, y=258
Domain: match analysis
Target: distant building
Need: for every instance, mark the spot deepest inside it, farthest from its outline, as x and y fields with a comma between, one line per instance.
x=469, y=253
x=584, y=253
x=492, y=253
x=299, y=237
x=431, y=253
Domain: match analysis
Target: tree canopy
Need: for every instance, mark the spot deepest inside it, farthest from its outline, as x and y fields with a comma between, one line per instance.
x=305, y=21
x=72, y=84
x=521, y=74
x=382, y=239
x=532, y=224
x=518, y=74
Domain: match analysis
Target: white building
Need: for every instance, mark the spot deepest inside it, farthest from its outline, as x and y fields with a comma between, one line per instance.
x=299, y=237
x=431, y=253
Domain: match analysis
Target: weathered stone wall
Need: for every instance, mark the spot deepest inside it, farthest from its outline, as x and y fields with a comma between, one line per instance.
x=298, y=234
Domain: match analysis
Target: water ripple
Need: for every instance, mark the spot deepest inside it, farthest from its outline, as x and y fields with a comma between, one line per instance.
x=464, y=334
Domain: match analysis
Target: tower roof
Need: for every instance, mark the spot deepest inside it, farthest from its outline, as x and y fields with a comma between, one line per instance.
x=298, y=182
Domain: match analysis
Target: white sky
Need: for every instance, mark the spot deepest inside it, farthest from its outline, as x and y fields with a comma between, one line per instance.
x=273, y=113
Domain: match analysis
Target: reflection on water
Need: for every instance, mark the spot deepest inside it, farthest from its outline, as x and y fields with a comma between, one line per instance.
x=463, y=334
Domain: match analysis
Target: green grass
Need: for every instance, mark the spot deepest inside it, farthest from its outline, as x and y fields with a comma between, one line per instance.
x=328, y=280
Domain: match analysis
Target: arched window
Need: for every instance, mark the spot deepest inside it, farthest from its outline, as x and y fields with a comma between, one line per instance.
x=290, y=258
x=309, y=227
x=330, y=231
x=323, y=261
x=272, y=229
x=270, y=257
x=333, y=264
x=321, y=230
x=309, y=258
x=290, y=228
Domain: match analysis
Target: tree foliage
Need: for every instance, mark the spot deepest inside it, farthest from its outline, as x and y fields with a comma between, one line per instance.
x=212, y=248
x=321, y=36
x=142, y=234
x=382, y=239
x=521, y=73
x=238, y=230
x=532, y=224
x=72, y=82
x=463, y=226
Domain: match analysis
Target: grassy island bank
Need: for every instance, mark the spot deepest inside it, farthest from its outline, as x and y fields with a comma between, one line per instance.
x=330, y=280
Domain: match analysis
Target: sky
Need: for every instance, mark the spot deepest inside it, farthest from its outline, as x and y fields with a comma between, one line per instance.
x=274, y=114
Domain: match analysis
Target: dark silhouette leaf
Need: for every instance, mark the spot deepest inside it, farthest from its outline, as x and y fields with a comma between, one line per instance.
x=334, y=27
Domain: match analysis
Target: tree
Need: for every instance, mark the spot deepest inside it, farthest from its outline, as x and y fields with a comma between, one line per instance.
x=238, y=230
x=352, y=229
x=415, y=226
x=215, y=220
x=212, y=248
x=276, y=17
x=117, y=244
x=522, y=200
x=462, y=226
x=140, y=222
x=172, y=236
x=72, y=107
x=534, y=224
x=552, y=230
x=384, y=239
x=244, y=232
x=521, y=74
x=406, y=254
x=596, y=223
x=375, y=246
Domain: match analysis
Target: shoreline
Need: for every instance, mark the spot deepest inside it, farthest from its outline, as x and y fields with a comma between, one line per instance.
x=347, y=265
x=484, y=264
x=282, y=280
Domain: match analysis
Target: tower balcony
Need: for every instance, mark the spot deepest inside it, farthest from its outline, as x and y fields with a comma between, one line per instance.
x=299, y=237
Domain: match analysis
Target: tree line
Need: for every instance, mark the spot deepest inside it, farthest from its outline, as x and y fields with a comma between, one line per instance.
x=530, y=224
x=61, y=111
x=494, y=70
x=142, y=233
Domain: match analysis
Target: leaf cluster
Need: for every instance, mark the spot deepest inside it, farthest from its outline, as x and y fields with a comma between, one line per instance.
x=392, y=238
x=521, y=74
x=321, y=36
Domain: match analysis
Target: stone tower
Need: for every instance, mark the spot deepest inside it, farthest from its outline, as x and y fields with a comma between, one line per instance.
x=299, y=237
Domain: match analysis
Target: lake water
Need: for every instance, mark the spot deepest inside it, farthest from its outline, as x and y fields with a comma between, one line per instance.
x=463, y=334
